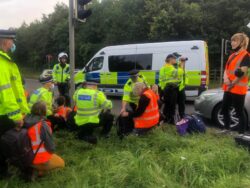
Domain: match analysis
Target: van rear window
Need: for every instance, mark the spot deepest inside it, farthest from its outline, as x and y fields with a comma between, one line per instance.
x=125, y=63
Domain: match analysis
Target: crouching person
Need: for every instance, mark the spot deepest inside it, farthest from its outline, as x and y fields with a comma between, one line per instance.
x=147, y=114
x=93, y=110
x=42, y=143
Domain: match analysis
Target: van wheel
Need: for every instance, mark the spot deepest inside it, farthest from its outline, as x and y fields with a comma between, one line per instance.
x=218, y=118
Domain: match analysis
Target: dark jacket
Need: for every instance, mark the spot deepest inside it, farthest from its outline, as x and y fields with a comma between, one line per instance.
x=142, y=105
x=46, y=136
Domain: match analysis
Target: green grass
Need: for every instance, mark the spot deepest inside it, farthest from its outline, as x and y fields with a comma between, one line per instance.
x=160, y=159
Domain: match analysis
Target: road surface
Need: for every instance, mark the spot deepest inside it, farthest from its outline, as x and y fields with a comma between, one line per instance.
x=32, y=84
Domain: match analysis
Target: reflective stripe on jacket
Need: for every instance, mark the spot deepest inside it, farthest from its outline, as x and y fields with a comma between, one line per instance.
x=61, y=75
x=151, y=115
x=168, y=75
x=42, y=155
x=128, y=95
x=232, y=65
x=42, y=94
x=8, y=101
x=89, y=103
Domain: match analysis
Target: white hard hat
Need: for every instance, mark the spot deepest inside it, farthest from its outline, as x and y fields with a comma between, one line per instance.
x=61, y=55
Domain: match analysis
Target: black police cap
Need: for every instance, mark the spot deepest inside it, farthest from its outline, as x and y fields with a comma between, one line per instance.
x=133, y=72
x=176, y=54
x=170, y=56
x=7, y=34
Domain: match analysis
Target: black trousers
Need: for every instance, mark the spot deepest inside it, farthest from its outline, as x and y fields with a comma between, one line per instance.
x=181, y=98
x=63, y=89
x=170, y=100
x=5, y=125
x=237, y=102
x=86, y=131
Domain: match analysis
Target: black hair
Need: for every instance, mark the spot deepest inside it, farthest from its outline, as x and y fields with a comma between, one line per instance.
x=60, y=100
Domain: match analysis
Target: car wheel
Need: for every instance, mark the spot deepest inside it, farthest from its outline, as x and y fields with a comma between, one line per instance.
x=218, y=118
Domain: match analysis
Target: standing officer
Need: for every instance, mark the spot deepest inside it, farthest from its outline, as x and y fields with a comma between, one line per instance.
x=11, y=92
x=61, y=76
x=181, y=96
x=128, y=96
x=235, y=84
x=169, y=83
x=93, y=110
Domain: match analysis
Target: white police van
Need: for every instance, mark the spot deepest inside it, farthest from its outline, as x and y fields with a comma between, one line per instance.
x=110, y=66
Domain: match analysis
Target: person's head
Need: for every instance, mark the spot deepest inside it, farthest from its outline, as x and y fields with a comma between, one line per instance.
x=39, y=109
x=63, y=57
x=139, y=88
x=239, y=41
x=91, y=85
x=60, y=101
x=7, y=40
x=171, y=59
x=134, y=74
x=155, y=89
x=47, y=82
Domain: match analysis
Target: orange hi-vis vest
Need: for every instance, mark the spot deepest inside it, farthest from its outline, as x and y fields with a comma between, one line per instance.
x=63, y=111
x=42, y=155
x=232, y=65
x=151, y=115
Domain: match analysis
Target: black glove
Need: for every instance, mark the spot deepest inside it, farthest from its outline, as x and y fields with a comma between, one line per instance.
x=238, y=73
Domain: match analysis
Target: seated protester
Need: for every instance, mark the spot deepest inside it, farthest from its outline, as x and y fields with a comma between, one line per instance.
x=93, y=110
x=62, y=111
x=41, y=137
x=147, y=113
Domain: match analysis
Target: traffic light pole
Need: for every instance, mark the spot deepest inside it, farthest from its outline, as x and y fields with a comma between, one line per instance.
x=71, y=48
x=222, y=60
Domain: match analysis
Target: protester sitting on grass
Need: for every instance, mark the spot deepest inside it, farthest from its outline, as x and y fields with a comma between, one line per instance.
x=146, y=115
x=41, y=139
x=62, y=111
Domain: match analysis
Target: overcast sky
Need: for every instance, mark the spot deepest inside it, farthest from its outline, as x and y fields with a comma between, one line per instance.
x=14, y=12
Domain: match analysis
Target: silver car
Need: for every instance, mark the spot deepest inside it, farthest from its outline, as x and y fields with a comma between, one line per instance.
x=208, y=105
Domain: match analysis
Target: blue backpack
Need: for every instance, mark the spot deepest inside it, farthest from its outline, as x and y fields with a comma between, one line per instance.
x=195, y=124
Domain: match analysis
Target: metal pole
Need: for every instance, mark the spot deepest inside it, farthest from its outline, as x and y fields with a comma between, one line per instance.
x=71, y=48
x=222, y=60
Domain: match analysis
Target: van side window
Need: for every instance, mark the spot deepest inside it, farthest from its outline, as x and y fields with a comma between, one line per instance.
x=125, y=63
x=95, y=64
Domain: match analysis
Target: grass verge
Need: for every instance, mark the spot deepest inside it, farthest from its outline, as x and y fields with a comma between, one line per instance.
x=160, y=159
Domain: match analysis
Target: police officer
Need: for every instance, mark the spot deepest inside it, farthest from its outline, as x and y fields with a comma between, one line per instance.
x=93, y=110
x=44, y=94
x=128, y=96
x=181, y=96
x=169, y=83
x=13, y=103
x=61, y=76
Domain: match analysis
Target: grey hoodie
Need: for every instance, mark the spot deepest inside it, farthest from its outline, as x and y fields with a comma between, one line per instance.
x=46, y=136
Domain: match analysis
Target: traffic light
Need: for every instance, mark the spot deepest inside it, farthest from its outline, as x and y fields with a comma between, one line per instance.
x=82, y=12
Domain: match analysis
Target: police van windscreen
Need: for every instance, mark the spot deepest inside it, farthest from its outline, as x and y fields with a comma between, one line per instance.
x=125, y=63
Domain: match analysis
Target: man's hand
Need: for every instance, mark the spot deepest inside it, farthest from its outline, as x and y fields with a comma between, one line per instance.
x=124, y=114
x=19, y=124
x=230, y=86
x=123, y=110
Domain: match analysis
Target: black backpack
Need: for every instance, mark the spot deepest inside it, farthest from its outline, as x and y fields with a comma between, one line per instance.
x=16, y=147
x=195, y=124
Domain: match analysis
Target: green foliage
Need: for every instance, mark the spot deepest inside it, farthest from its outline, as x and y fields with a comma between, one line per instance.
x=116, y=22
x=159, y=159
